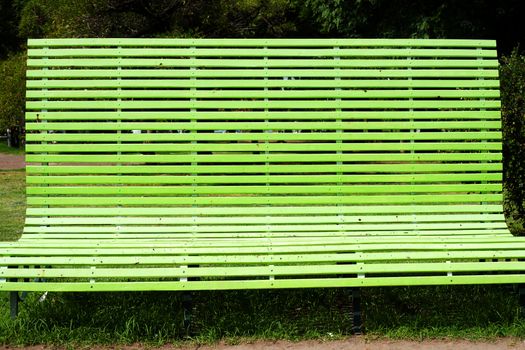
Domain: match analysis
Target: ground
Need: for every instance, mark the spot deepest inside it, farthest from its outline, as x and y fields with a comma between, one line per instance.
x=355, y=343
x=11, y=161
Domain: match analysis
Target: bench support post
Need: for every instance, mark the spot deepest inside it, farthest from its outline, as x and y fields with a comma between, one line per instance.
x=13, y=301
x=521, y=300
x=357, y=322
x=187, y=306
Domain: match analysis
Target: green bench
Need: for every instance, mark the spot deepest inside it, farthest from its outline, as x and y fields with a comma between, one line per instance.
x=209, y=164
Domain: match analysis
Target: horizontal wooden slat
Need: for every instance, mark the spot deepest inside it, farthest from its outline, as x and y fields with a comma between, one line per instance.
x=281, y=136
x=233, y=231
x=263, y=83
x=342, y=282
x=19, y=248
x=268, y=73
x=312, y=189
x=269, y=200
x=352, y=125
x=296, y=104
x=260, y=146
x=223, y=169
x=315, y=219
x=260, y=62
x=274, y=210
x=273, y=179
x=129, y=239
x=295, y=94
x=178, y=272
x=219, y=42
x=273, y=158
x=257, y=115
x=260, y=52
x=276, y=259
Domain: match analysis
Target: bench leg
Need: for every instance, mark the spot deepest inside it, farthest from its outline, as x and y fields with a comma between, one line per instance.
x=357, y=321
x=187, y=306
x=13, y=301
x=521, y=295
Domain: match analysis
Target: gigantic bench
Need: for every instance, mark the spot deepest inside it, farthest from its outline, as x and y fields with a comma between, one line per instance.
x=182, y=164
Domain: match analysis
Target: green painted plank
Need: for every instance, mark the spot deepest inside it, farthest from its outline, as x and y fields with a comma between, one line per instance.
x=273, y=158
x=295, y=104
x=270, y=73
x=251, y=271
x=270, y=147
x=219, y=42
x=264, y=283
x=261, y=220
x=321, y=126
x=257, y=115
x=282, y=189
x=125, y=239
x=46, y=239
x=259, y=259
x=262, y=83
x=286, y=241
x=83, y=94
x=19, y=250
x=274, y=210
x=273, y=179
x=268, y=200
x=272, y=228
x=118, y=53
x=260, y=62
x=221, y=169
x=282, y=136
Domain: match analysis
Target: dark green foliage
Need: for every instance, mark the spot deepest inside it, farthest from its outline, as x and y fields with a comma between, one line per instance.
x=9, y=17
x=499, y=20
x=513, y=117
x=143, y=18
x=12, y=95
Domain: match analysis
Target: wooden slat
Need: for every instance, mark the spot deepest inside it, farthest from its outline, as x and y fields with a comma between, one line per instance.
x=442, y=115
x=219, y=42
x=259, y=62
x=257, y=73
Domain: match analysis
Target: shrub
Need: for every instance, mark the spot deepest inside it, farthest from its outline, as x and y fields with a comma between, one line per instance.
x=12, y=97
x=512, y=71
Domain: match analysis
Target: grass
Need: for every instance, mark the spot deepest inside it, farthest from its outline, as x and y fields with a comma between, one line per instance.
x=86, y=319
x=10, y=150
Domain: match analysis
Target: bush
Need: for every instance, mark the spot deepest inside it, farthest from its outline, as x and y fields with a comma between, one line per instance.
x=12, y=97
x=512, y=71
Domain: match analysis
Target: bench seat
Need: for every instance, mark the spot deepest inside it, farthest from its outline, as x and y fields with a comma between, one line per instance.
x=203, y=164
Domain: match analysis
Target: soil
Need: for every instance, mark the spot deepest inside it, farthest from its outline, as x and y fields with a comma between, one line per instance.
x=355, y=343
x=11, y=161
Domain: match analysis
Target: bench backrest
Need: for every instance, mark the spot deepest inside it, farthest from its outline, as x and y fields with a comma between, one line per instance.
x=279, y=136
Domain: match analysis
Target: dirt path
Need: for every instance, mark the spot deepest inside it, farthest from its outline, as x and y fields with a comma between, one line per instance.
x=11, y=161
x=355, y=343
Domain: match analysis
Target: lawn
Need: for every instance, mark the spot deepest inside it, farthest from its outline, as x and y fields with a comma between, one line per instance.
x=473, y=312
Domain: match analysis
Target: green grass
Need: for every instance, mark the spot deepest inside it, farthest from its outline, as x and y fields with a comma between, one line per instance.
x=12, y=209
x=84, y=319
x=10, y=150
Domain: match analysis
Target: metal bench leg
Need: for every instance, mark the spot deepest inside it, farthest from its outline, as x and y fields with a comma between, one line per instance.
x=521, y=295
x=357, y=321
x=187, y=306
x=13, y=301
